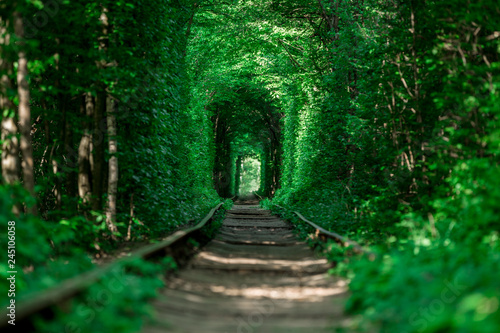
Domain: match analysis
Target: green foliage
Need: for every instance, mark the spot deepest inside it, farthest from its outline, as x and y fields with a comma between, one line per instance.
x=118, y=302
x=392, y=140
x=217, y=220
x=88, y=60
x=40, y=264
x=232, y=91
x=429, y=287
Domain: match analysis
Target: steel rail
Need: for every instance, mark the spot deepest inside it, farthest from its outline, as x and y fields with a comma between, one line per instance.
x=344, y=240
x=33, y=303
x=261, y=198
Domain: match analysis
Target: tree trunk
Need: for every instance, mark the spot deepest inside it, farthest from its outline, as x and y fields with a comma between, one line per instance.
x=131, y=220
x=274, y=151
x=237, y=176
x=98, y=151
x=100, y=130
x=10, y=141
x=58, y=156
x=113, y=167
x=71, y=157
x=84, y=176
x=24, y=114
x=10, y=149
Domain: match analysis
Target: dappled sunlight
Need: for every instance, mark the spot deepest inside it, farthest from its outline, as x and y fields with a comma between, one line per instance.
x=267, y=263
x=249, y=242
x=291, y=293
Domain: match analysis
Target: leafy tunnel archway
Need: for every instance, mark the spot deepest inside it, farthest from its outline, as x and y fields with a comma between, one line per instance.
x=248, y=126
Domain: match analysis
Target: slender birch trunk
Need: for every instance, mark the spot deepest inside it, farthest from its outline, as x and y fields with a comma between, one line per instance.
x=84, y=151
x=24, y=113
x=10, y=141
x=113, y=166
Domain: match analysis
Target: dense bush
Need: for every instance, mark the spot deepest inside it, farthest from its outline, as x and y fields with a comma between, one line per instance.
x=100, y=156
x=401, y=152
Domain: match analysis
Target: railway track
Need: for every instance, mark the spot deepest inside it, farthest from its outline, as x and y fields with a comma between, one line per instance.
x=255, y=276
x=43, y=303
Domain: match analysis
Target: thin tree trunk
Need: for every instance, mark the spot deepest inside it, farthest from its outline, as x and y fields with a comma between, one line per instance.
x=70, y=154
x=190, y=22
x=25, y=114
x=100, y=124
x=10, y=147
x=84, y=151
x=237, y=177
x=129, y=230
x=10, y=141
x=98, y=151
x=58, y=156
x=10, y=163
x=113, y=167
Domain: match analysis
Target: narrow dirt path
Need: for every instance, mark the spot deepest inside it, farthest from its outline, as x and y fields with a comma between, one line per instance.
x=253, y=277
